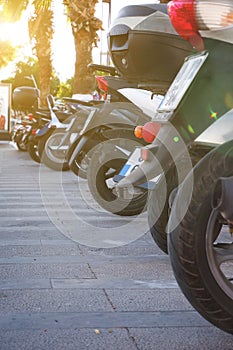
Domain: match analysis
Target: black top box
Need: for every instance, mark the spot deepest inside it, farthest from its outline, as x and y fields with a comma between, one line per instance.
x=145, y=47
x=25, y=98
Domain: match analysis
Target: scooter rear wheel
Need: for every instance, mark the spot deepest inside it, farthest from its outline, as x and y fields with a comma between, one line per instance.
x=106, y=161
x=33, y=151
x=199, y=247
x=54, y=159
x=22, y=146
x=161, y=198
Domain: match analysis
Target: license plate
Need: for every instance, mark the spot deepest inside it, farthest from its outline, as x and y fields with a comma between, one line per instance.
x=133, y=163
x=179, y=86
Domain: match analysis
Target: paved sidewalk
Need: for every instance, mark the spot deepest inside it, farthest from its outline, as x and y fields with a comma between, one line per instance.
x=58, y=294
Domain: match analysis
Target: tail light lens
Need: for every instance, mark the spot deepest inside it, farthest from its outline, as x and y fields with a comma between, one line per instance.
x=102, y=83
x=30, y=117
x=34, y=131
x=190, y=16
x=148, y=132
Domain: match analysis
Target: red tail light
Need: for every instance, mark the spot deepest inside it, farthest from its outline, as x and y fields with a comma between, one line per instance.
x=182, y=16
x=190, y=16
x=34, y=131
x=148, y=132
x=102, y=83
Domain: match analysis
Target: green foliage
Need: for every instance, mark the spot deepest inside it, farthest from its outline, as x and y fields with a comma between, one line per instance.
x=66, y=89
x=27, y=68
x=7, y=53
x=23, y=69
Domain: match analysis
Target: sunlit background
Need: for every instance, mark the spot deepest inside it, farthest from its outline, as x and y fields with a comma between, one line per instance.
x=63, y=46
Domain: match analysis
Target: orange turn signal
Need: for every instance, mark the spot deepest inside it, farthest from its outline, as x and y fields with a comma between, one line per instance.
x=138, y=131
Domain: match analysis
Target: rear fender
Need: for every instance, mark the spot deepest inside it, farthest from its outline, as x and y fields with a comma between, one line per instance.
x=119, y=114
x=46, y=130
x=123, y=131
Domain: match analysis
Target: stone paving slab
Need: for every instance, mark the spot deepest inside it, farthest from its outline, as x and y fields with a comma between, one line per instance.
x=68, y=339
x=138, y=319
x=58, y=294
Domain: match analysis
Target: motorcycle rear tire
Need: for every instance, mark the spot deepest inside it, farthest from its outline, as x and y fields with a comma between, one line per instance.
x=49, y=158
x=158, y=208
x=21, y=146
x=102, y=162
x=194, y=241
x=33, y=152
x=158, y=201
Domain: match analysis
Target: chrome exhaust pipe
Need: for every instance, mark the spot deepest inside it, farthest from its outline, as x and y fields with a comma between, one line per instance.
x=222, y=199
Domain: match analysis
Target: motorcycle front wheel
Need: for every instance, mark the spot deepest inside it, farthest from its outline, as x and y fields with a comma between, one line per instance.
x=200, y=244
x=107, y=160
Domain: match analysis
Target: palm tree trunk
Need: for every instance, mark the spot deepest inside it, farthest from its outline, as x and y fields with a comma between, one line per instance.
x=41, y=33
x=83, y=79
x=85, y=26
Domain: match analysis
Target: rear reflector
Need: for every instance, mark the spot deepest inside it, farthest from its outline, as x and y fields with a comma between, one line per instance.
x=144, y=153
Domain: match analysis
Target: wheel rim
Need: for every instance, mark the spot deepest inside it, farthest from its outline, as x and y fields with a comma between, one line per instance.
x=22, y=145
x=104, y=180
x=55, y=150
x=83, y=161
x=219, y=253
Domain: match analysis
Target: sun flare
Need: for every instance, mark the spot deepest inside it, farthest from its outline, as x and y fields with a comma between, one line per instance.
x=16, y=33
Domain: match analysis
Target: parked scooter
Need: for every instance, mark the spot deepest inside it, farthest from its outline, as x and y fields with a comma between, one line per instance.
x=25, y=102
x=54, y=142
x=50, y=138
x=199, y=247
x=22, y=130
x=109, y=130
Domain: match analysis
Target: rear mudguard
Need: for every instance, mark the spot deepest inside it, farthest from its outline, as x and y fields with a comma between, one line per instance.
x=46, y=130
x=118, y=113
x=95, y=136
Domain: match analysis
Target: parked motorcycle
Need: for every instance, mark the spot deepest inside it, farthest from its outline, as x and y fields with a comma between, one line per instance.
x=25, y=101
x=55, y=139
x=199, y=245
x=21, y=132
x=110, y=153
x=48, y=139
x=107, y=130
